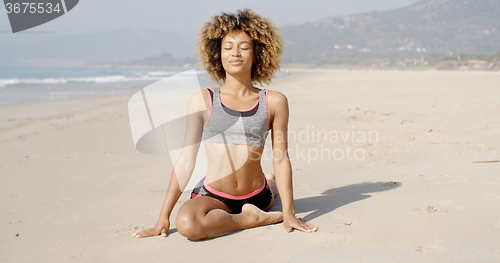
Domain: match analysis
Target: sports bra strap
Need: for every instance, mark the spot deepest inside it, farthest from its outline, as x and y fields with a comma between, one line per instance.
x=211, y=95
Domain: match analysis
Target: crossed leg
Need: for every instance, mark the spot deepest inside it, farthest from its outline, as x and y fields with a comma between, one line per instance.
x=205, y=217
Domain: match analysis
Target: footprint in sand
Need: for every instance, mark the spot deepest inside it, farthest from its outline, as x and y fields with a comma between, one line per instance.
x=432, y=247
x=130, y=230
x=352, y=118
x=405, y=121
x=428, y=210
x=425, y=250
x=389, y=161
x=481, y=148
x=392, y=183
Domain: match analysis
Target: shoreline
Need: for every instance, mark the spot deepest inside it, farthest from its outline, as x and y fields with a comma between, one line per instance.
x=302, y=72
x=129, y=86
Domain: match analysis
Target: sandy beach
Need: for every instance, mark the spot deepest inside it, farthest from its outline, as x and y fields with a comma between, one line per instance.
x=391, y=166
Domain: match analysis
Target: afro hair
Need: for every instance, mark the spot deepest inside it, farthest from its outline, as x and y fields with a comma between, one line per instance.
x=267, y=40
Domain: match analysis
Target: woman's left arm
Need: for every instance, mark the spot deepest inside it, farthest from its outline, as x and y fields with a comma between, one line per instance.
x=281, y=162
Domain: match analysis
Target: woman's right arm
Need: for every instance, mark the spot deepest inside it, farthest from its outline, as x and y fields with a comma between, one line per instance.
x=184, y=167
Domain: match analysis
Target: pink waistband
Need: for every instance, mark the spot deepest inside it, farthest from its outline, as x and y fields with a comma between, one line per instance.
x=234, y=197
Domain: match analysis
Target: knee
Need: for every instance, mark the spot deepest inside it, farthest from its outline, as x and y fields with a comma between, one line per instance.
x=188, y=226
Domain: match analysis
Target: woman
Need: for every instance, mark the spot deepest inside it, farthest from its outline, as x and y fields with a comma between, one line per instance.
x=236, y=51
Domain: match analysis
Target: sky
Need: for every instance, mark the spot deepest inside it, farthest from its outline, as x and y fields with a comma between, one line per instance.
x=185, y=17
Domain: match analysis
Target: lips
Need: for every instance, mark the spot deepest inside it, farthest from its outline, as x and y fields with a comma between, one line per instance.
x=235, y=62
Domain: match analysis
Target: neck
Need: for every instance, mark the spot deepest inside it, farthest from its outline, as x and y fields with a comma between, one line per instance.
x=239, y=84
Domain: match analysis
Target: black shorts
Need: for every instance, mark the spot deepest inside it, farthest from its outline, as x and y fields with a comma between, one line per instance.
x=261, y=197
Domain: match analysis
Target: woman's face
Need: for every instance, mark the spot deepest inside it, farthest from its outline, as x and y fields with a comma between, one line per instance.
x=237, y=53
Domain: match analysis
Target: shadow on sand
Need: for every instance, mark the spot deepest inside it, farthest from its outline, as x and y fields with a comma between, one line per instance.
x=334, y=198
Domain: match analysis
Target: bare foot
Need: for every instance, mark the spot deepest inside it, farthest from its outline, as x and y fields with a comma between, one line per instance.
x=257, y=217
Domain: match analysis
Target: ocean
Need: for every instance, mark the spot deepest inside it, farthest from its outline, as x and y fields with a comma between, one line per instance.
x=29, y=84
x=20, y=85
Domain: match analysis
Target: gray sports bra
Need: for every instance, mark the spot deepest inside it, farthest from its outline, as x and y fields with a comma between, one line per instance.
x=230, y=126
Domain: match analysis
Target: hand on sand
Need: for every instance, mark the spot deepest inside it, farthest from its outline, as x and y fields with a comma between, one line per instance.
x=292, y=222
x=161, y=228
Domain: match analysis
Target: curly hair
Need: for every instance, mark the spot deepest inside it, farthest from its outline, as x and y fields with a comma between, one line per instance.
x=267, y=40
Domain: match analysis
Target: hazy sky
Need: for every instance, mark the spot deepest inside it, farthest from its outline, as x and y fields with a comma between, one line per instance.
x=185, y=17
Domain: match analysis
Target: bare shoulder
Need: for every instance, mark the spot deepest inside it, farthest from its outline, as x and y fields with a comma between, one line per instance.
x=199, y=101
x=201, y=97
x=198, y=95
x=276, y=99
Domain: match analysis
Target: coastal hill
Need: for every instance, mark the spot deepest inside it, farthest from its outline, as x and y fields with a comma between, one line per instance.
x=420, y=29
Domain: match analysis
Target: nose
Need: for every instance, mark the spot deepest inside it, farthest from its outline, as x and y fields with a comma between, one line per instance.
x=236, y=52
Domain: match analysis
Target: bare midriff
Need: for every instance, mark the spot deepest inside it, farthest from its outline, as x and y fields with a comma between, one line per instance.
x=234, y=169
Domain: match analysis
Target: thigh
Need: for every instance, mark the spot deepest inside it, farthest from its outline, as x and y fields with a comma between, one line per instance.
x=199, y=206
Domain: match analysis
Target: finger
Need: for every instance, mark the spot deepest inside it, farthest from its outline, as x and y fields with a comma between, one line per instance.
x=299, y=226
x=144, y=233
x=310, y=227
x=302, y=228
x=137, y=234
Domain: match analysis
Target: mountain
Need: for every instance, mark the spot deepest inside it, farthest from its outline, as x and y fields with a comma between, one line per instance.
x=117, y=45
x=425, y=28
x=420, y=29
